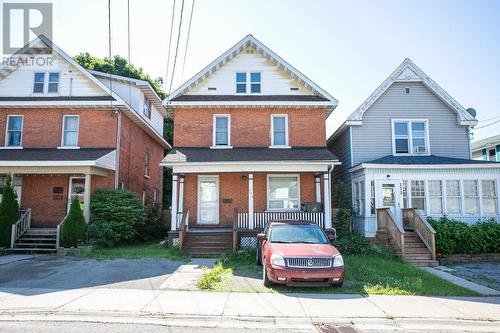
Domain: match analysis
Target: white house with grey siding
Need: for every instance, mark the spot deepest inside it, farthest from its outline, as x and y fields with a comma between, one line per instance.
x=408, y=146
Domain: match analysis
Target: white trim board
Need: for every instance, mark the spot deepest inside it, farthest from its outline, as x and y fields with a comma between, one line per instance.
x=250, y=167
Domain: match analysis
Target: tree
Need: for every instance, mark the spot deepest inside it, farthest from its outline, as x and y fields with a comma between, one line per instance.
x=73, y=230
x=9, y=212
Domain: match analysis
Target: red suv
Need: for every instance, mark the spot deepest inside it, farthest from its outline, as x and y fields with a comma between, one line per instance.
x=298, y=253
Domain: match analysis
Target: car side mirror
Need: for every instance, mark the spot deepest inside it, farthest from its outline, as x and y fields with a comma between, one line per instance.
x=332, y=237
x=261, y=237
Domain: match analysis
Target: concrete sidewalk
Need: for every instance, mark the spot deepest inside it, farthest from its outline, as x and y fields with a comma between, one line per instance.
x=256, y=305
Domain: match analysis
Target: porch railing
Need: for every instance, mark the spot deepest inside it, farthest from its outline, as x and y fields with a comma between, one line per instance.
x=59, y=230
x=414, y=220
x=261, y=219
x=20, y=226
x=386, y=223
x=180, y=216
x=183, y=228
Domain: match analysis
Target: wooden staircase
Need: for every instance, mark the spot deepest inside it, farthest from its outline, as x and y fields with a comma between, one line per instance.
x=35, y=240
x=416, y=252
x=209, y=242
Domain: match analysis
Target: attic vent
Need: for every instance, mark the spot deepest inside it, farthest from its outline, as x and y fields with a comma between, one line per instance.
x=212, y=88
x=294, y=89
x=407, y=90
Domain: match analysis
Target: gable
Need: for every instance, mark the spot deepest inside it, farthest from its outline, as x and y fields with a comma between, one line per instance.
x=274, y=80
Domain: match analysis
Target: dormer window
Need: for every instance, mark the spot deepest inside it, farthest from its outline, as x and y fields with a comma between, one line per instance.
x=243, y=85
x=147, y=108
x=39, y=83
x=41, y=80
x=53, y=82
x=410, y=137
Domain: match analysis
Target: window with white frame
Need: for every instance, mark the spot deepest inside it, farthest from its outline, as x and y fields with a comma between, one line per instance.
x=146, y=164
x=418, y=195
x=489, y=196
x=362, y=197
x=70, y=131
x=241, y=82
x=143, y=197
x=357, y=194
x=435, y=197
x=471, y=197
x=222, y=130
x=410, y=137
x=453, y=197
x=372, y=197
x=155, y=195
x=147, y=108
x=39, y=83
x=279, y=130
x=255, y=80
x=14, y=132
x=283, y=192
x=53, y=86
x=403, y=190
x=492, y=154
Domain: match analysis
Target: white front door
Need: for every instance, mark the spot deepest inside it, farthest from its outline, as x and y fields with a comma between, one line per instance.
x=390, y=198
x=208, y=200
x=76, y=190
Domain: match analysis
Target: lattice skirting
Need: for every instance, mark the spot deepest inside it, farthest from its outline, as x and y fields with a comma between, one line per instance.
x=248, y=242
x=174, y=242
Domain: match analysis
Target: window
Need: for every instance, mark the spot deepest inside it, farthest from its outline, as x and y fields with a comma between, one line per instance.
x=435, y=197
x=53, y=82
x=407, y=90
x=403, y=189
x=492, y=154
x=357, y=194
x=255, y=83
x=372, y=197
x=471, y=197
x=418, y=194
x=147, y=108
x=359, y=197
x=144, y=197
x=155, y=195
x=453, y=197
x=146, y=165
x=410, y=137
x=489, y=196
x=283, y=192
x=279, y=128
x=14, y=133
x=70, y=131
x=39, y=83
x=222, y=130
x=241, y=83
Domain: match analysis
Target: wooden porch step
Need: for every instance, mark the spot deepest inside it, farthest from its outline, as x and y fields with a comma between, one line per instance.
x=417, y=250
x=37, y=239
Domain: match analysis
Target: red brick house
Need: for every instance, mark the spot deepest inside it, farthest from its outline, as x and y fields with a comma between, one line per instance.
x=249, y=146
x=66, y=131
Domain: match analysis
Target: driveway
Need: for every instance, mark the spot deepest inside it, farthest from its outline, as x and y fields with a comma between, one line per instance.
x=58, y=272
x=484, y=273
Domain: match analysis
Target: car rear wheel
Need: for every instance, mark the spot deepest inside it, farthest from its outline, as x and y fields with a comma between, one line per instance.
x=265, y=279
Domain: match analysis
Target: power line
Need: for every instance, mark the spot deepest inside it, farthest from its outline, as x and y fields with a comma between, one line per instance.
x=493, y=118
x=165, y=85
x=493, y=123
x=109, y=51
x=176, y=52
x=128, y=53
x=187, y=40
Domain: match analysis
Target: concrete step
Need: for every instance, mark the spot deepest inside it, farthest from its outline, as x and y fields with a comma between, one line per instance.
x=18, y=250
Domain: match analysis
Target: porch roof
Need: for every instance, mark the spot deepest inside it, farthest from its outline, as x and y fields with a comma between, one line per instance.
x=248, y=154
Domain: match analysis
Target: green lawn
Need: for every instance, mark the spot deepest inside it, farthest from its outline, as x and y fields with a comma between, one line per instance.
x=365, y=274
x=143, y=250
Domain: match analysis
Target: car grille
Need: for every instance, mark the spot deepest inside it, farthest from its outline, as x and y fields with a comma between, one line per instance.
x=309, y=262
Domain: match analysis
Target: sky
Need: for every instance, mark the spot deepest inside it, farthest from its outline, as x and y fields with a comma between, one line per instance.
x=346, y=47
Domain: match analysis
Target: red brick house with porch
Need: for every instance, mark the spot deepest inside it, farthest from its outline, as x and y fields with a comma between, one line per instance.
x=65, y=133
x=249, y=146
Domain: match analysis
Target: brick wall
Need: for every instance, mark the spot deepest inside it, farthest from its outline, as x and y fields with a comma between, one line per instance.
x=250, y=127
x=232, y=186
x=42, y=128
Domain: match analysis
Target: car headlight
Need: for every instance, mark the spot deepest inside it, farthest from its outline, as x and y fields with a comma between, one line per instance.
x=277, y=260
x=338, y=261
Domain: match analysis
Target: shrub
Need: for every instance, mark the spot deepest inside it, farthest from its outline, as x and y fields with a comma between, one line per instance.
x=354, y=243
x=212, y=278
x=73, y=229
x=153, y=228
x=9, y=212
x=116, y=215
x=457, y=237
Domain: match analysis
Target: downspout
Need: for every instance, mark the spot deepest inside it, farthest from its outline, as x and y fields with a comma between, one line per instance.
x=118, y=146
x=469, y=139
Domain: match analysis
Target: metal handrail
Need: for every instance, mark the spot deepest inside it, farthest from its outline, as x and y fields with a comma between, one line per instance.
x=20, y=227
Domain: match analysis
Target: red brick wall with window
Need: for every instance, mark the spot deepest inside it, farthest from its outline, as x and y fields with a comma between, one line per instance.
x=250, y=127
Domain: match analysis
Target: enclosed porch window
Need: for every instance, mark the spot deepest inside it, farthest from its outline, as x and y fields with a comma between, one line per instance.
x=283, y=192
x=489, y=196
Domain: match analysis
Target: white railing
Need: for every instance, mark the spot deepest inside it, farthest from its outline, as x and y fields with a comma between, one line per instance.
x=261, y=219
x=59, y=229
x=179, y=220
x=20, y=226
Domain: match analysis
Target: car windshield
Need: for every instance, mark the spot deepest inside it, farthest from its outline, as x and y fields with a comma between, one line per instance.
x=297, y=233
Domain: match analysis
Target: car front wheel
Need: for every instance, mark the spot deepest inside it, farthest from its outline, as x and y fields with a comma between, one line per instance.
x=338, y=284
x=265, y=279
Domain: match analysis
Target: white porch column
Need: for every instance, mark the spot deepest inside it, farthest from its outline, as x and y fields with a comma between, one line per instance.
x=250, y=201
x=318, y=188
x=327, y=201
x=180, y=208
x=173, y=223
x=86, y=197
